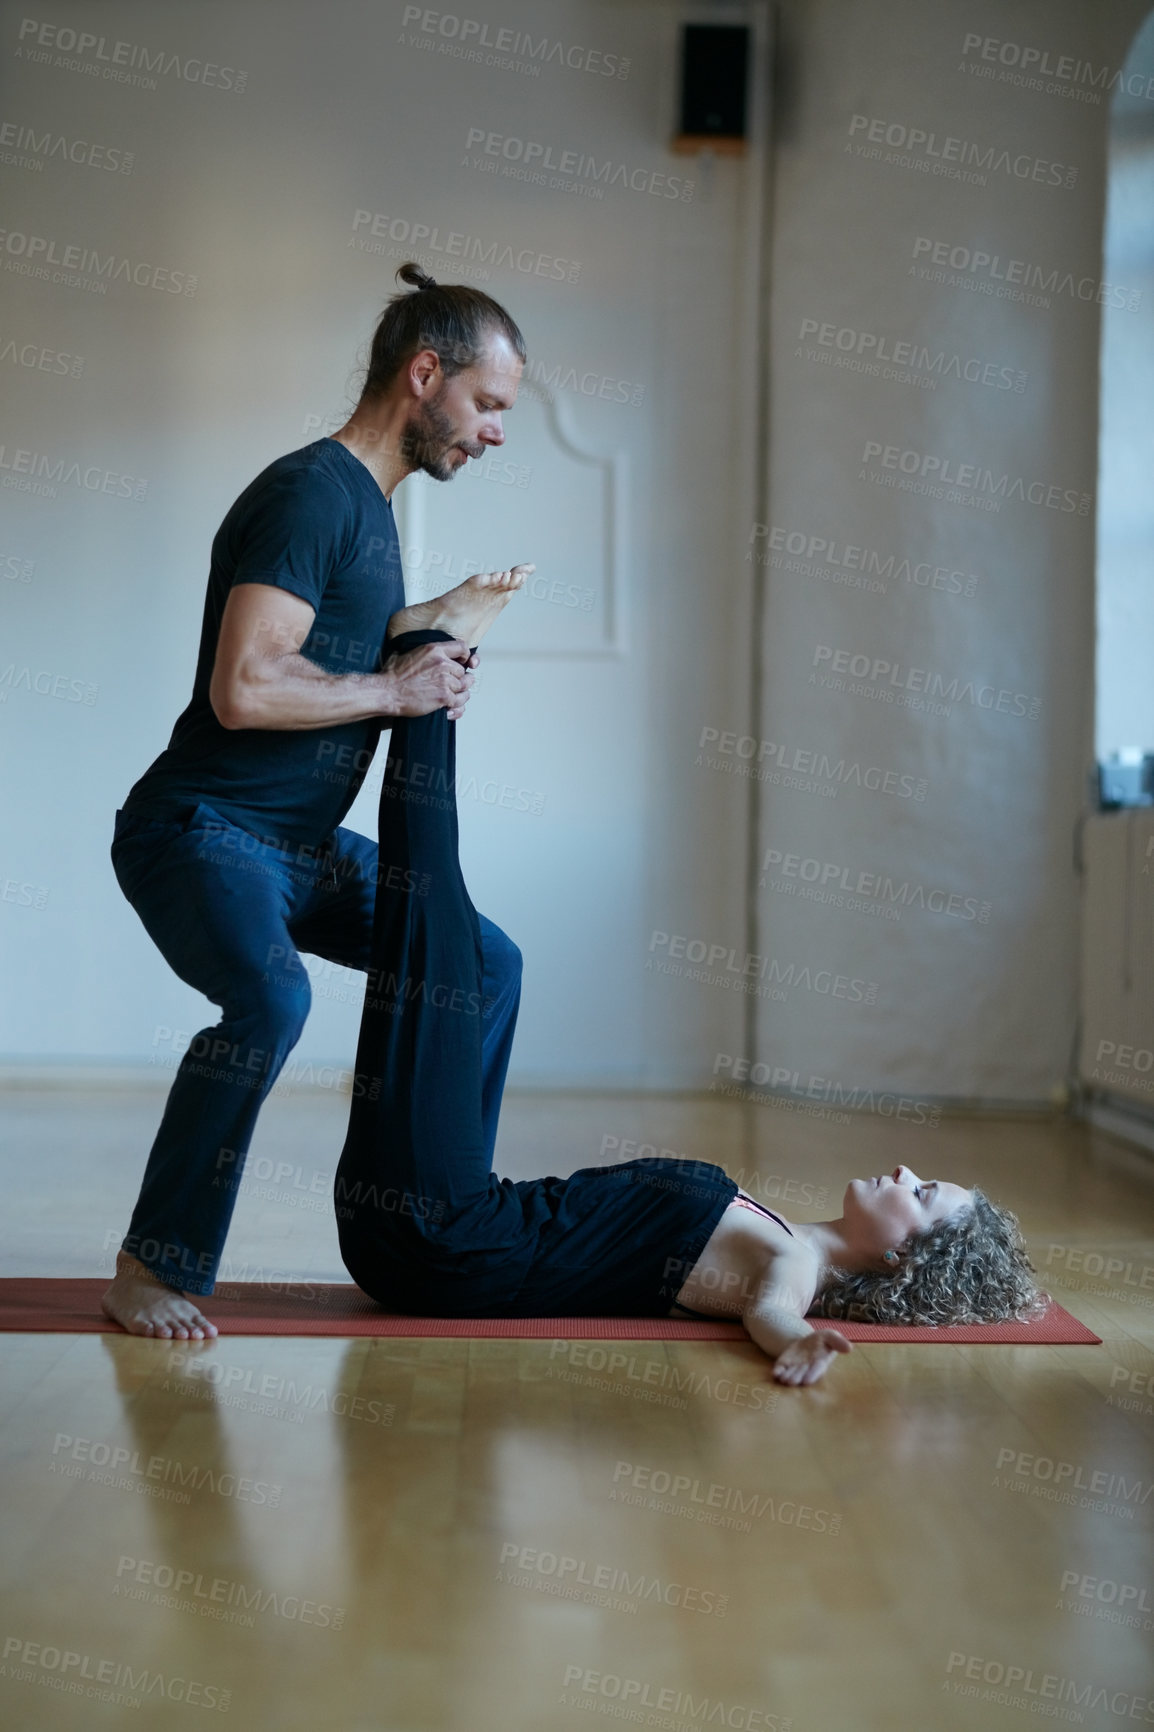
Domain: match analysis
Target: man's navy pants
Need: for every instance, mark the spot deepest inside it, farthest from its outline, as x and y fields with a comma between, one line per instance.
x=231, y=913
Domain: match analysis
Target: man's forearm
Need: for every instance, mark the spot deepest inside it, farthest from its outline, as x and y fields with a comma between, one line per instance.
x=293, y=692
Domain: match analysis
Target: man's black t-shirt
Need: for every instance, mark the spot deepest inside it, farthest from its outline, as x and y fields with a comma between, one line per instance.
x=315, y=523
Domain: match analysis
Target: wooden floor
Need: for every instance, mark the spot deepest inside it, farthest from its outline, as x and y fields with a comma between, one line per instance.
x=409, y=1536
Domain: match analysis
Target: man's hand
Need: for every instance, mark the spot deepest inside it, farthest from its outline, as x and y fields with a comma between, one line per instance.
x=435, y=676
x=810, y=1357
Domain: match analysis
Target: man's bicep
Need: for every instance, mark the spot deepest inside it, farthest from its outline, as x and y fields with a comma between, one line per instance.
x=259, y=620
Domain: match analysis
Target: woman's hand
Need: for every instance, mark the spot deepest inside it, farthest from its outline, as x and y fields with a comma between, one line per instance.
x=810, y=1357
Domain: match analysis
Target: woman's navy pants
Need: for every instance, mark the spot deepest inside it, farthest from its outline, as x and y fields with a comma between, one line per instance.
x=425, y=1225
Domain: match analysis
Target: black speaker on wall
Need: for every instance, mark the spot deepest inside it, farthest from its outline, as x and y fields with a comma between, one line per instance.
x=714, y=66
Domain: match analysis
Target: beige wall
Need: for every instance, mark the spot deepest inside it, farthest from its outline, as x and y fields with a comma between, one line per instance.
x=277, y=194
x=968, y=458
x=641, y=493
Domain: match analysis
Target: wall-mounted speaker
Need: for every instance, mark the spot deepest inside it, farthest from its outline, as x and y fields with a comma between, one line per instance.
x=714, y=69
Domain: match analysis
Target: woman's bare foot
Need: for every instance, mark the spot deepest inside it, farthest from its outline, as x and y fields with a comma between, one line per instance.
x=466, y=612
x=143, y=1305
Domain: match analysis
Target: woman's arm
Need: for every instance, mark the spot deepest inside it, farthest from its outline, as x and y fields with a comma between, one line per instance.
x=774, y=1319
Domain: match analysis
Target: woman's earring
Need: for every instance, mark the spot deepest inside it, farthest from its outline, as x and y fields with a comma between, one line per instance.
x=891, y=1256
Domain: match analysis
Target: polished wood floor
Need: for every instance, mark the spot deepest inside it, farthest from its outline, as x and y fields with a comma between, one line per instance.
x=410, y=1536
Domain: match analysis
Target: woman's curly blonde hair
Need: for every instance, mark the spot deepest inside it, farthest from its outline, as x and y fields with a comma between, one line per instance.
x=971, y=1268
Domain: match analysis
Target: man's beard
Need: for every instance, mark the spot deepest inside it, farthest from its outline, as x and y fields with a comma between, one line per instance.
x=427, y=441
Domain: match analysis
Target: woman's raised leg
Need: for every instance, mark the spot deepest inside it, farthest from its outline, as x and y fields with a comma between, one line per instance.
x=415, y=1196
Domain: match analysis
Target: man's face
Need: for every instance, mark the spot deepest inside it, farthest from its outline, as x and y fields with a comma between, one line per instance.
x=458, y=417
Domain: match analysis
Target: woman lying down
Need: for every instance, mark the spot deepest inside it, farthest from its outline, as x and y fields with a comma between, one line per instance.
x=427, y=1228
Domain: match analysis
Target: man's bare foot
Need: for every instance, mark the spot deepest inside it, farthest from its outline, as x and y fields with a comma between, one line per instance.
x=143, y=1305
x=466, y=612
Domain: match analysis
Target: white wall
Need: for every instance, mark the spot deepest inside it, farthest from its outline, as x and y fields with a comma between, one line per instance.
x=976, y=996
x=1126, y=447
x=623, y=489
x=651, y=506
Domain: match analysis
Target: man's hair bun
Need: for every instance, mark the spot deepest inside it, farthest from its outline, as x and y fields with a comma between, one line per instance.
x=416, y=277
x=455, y=320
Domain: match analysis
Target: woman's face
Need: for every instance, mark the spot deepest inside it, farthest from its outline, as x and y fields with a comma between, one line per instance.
x=880, y=1214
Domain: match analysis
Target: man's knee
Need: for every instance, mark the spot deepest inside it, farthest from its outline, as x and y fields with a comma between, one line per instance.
x=277, y=1010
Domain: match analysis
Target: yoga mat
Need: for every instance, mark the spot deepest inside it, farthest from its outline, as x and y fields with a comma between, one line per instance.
x=38, y=1305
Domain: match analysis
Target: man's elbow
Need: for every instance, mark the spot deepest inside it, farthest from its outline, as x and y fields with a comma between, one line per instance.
x=230, y=705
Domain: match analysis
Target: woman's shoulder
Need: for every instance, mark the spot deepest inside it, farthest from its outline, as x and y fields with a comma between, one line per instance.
x=790, y=1275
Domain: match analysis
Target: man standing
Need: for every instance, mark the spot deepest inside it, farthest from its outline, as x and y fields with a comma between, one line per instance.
x=230, y=846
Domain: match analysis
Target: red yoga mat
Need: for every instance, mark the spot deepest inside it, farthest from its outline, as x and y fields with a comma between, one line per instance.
x=36, y=1305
